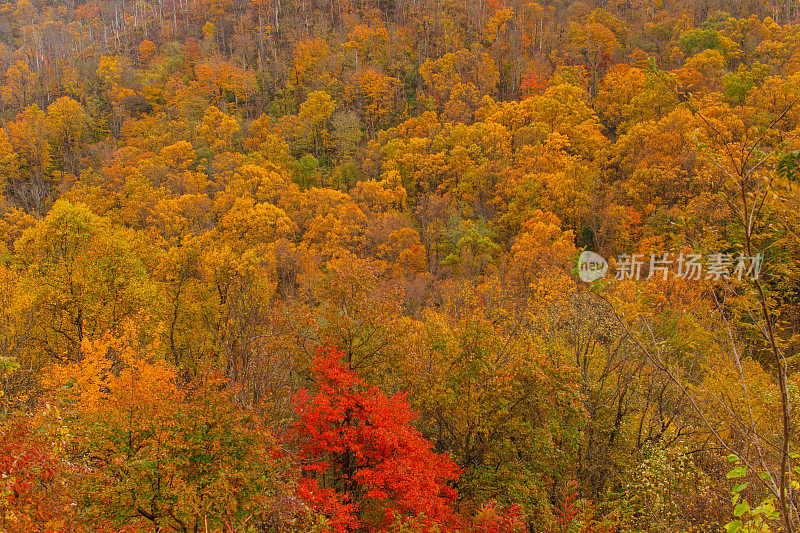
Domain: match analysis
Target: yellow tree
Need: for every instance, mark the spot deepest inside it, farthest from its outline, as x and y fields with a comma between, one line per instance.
x=112, y=88
x=20, y=84
x=180, y=178
x=314, y=115
x=217, y=129
x=507, y=413
x=312, y=68
x=10, y=163
x=79, y=275
x=67, y=123
x=615, y=95
x=262, y=137
x=28, y=135
x=216, y=79
x=441, y=76
x=374, y=93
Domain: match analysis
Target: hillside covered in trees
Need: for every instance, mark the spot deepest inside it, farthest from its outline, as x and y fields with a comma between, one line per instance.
x=313, y=265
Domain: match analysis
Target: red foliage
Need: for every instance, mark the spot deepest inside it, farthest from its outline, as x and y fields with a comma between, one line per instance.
x=532, y=83
x=567, y=510
x=192, y=53
x=491, y=518
x=32, y=493
x=369, y=464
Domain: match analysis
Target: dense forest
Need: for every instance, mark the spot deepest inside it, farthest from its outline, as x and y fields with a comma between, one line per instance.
x=313, y=265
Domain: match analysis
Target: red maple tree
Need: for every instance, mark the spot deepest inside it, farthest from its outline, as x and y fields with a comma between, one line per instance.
x=366, y=466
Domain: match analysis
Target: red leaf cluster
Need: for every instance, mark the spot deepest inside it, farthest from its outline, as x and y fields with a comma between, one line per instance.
x=369, y=464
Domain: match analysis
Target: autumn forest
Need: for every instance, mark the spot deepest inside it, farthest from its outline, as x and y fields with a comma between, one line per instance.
x=475, y=266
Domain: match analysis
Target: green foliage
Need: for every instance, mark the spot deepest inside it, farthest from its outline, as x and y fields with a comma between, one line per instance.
x=305, y=171
x=738, y=85
x=694, y=41
x=788, y=165
x=663, y=485
x=748, y=519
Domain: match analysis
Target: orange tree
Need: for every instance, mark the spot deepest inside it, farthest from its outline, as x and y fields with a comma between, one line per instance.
x=149, y=451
